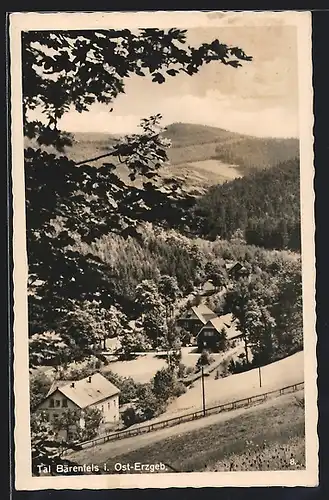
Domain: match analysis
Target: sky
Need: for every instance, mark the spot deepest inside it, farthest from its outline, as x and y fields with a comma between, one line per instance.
x=260, y=98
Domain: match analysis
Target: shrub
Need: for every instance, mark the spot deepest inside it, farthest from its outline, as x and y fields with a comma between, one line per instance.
x=130, y=417
x=239, y=365
x=225, y=367
x=129, y=389
x=181, y=370
x=205, y=359
x=179, y=389
x=189, y=370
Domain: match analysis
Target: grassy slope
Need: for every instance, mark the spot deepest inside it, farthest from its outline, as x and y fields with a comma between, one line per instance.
x=279, y=422
x=200, y=155
x=197, y=450
x=275, y=375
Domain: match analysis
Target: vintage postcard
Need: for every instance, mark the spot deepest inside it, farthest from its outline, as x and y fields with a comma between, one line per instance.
x=163, y=243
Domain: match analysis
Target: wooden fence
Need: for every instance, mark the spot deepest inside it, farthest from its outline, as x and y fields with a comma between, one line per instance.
x=232, y=405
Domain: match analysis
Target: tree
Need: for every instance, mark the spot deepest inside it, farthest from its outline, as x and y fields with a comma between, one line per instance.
x=153, y=324
x=237, y=302
x=92, y=420
x=288, y=310
x=46, y=448
x=147, y=296
x=66, y=205
x=40, y=384
x=216, y=274
x=129, y=389
x=129, y=416
x=169, y=292
x=132, y=340
x=49, y=348
x=148, y=405
x=81, y=328
x=70, y=421
x=222, y=340
x=250, y=302
x=261, y=326
x=163, y=384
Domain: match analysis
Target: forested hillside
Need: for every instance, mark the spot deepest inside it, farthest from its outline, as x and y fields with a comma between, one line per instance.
x=264, y=205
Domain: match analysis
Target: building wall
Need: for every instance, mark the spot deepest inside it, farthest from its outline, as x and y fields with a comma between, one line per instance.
x=191, y=325
x=109, y=408
x=57, y=404
x=207, y=338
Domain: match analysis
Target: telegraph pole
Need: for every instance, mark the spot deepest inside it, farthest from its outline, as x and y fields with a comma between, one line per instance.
x=203, y=393
x=260, y=377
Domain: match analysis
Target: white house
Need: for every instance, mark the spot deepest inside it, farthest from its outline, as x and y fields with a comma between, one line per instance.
x=94, y=391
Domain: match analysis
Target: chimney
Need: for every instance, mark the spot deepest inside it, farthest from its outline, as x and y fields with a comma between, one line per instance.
x=89, y=379
x=72, y=385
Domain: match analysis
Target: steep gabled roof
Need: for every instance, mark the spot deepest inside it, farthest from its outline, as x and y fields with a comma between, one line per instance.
x=226, y=321
x=56, y=384
x=84, y=393
x=203, y=313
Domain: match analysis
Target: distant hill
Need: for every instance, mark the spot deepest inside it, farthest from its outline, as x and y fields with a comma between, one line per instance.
x=192, y=143
x=200, y=155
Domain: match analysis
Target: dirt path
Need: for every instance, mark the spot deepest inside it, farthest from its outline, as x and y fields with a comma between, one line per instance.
x=102, y=452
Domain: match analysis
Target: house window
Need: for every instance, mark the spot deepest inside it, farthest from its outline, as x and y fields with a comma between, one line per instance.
x=64, y=403
x=51, y=403
x=57, y=403
x=109, y=405
x=114, y=402
x=55, y=416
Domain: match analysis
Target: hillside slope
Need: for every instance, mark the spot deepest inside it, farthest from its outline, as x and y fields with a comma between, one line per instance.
x=192, y=143
x=268, y=208
x=200, y=155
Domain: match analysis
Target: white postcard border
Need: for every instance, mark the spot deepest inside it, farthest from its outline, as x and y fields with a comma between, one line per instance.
x=28, y=21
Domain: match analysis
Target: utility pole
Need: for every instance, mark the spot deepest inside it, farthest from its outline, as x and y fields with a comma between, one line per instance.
x=260, y=377
x=203, y=393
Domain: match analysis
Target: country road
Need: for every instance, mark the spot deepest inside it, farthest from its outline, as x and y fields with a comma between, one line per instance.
x=101, y=453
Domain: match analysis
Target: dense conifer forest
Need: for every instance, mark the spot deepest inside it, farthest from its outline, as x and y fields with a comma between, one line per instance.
x=264, y=205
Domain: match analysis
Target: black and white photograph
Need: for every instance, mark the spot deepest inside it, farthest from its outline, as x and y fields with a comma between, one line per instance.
x=164, y=296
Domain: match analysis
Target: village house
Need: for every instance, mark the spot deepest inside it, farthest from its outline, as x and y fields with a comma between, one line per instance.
x=209, y=336
x=195, y=317
x=94, y=391
x=208, y=288
x=236, y=270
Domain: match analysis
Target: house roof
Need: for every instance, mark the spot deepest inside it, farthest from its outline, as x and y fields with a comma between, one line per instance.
x=226, y=321
x=203, y=313
x=85, y=393
x=208, y=285
x=56, y=384
x=236, y=267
